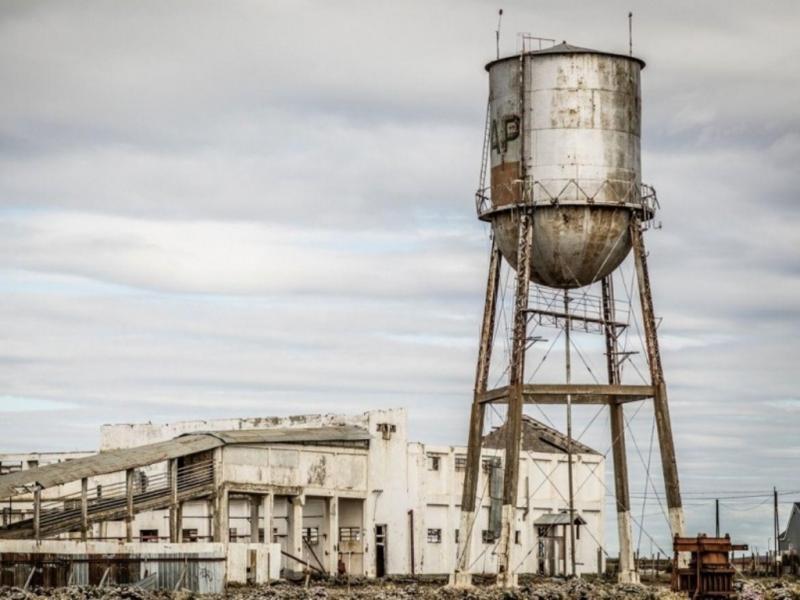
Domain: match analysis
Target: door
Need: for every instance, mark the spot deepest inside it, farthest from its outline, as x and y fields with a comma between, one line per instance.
x=380, y=550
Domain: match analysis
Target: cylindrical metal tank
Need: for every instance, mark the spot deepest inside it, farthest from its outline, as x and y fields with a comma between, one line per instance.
x=564, y=127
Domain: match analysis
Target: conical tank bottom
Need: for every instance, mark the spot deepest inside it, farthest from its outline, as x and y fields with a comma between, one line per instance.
x=573, y=246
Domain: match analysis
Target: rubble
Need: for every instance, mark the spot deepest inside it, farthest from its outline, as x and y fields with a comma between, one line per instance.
x=402, y=589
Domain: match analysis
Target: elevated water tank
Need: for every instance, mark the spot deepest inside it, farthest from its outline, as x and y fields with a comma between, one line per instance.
x=564, y=127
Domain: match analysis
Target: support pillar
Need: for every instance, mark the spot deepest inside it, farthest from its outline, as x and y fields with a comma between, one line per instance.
x=669, y=463
x=37, y=512
x=221, y=530
x=174, y=504
x=129, y=505
x=331, y=529
x=267, y=509
x=295, y=540
x=506, y=577
x=469, y=511
x=627, y=573
x=255, y=500
x=84, y=509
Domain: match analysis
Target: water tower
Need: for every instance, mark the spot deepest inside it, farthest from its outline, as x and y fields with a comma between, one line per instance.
x=566, y=206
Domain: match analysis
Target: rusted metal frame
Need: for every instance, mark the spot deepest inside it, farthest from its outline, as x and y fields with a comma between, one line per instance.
x=478, y=410
x=84, y=508
x=576, y=317
x=660, y=402
x=515, y=404
x=617, y=419
x=302, y=562
x=314, y=554
x=581, y=393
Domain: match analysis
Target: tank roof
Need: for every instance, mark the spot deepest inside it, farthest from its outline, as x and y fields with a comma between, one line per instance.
x=565, y=48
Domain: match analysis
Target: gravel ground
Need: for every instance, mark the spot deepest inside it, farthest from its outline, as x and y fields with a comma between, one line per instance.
x=548, y=589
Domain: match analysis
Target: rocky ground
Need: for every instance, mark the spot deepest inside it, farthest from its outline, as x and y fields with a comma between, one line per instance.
x=402, y=590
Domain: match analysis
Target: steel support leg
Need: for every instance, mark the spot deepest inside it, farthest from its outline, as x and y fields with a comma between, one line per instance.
x=469, y=511
x=506, y=577
x=660, y=403
x=627, y=572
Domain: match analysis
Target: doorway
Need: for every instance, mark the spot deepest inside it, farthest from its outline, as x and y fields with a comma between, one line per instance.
x=380, y=550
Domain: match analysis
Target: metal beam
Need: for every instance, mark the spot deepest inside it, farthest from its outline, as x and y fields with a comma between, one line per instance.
x=505, y=560
x=84, y=508
x=470, y=489
x=669, y=463
x=581, y=393
x=129, y=505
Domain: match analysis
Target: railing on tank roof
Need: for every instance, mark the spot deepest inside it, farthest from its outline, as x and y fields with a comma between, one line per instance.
x=529, y=43
x=554, y=192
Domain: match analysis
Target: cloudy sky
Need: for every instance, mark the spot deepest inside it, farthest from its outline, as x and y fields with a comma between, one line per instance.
x=260, y=208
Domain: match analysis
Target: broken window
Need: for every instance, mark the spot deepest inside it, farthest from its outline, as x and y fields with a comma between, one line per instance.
x=434, y=536
x=349, y=534
x=189, y=535
x=487, y=536
x=456, y=537
x=433, y=462
x=311, y=535
x=232, y=537
x=517, y=537
x=461, y=462
x=148, y=535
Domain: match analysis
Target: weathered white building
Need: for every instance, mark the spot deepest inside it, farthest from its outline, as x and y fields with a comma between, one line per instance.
x=340, y=493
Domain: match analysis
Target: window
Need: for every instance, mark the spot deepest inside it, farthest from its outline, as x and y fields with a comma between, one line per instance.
x=491, y=463
x=311, y=535
x=577, y=531
x=434, y=536
x=457, y=537
x=518, y=537
x=148, y=535
x=349, y=534
x=433, y=462
x=232, y=534
x=543, y=532
x=461, y=462
x=189, y=535
x=487, y=536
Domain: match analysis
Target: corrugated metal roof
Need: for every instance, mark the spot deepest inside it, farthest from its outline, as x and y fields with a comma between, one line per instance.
x=140, y=456
x=561, y=518
x=537, y=437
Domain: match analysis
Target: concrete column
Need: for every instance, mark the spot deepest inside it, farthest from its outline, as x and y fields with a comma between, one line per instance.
x=129, y=513
x=84, y=509
x=331, y=532
x=37, y=512
x=174, y=505
x=221, y=533
x=267, y=510
x=296, y=505
x=255, y=500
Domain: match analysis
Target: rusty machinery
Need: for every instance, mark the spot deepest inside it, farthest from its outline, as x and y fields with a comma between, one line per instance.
x=710, y=572
x=566, y=206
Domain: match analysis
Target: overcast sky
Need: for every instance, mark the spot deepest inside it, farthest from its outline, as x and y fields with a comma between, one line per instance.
x=265, y=208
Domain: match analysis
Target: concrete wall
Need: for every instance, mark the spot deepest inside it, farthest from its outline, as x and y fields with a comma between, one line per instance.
x=436, y=498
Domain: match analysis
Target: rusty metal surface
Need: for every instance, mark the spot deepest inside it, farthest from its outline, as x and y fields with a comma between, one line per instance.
x=710, y=572
x=564, y=137
x=129, y=458
x=537, y=437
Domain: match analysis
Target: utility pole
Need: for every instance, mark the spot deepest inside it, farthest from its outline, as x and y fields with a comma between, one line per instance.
x=776, y=524
x=567, y=326
x=716, y=510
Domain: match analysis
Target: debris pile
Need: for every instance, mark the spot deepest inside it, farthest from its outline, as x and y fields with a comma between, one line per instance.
x=403, y=589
